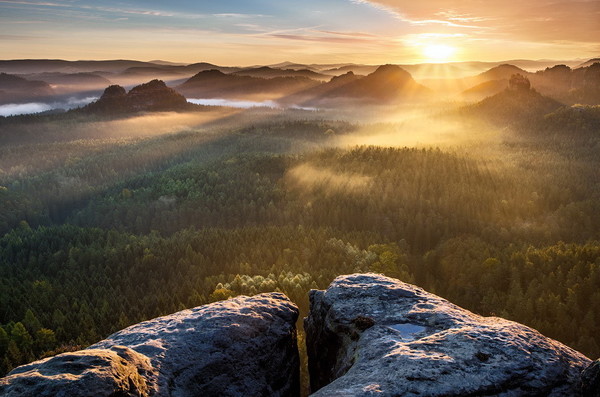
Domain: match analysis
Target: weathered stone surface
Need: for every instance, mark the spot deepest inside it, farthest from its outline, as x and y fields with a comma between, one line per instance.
x=93, y=372
x=244, y=346
x=372, y=335
x=590, y=380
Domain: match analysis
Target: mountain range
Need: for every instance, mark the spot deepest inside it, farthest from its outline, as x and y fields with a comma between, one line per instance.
x=24, y=81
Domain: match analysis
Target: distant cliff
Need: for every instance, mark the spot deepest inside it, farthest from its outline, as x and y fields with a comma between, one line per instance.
x=366, y=335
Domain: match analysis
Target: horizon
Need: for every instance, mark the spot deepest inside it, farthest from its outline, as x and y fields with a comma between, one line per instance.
x=238, y=33
x=324, y=63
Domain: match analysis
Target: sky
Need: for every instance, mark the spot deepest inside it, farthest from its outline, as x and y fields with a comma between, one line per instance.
x=251, y=32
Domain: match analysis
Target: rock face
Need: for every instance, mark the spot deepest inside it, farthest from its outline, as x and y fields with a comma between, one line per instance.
x=590, y=380
x=372, y=335
x=244, y=346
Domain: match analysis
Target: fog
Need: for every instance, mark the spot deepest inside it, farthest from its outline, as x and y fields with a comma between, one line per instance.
x=233, y=103
x=434, y=125
x=15, y=109
x=244, y=104
x=310, y=177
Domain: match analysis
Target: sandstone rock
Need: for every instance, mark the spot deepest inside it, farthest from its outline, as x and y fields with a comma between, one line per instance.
x=93, y=372
x=590, y=380
x=372, y=335
x=244, y=346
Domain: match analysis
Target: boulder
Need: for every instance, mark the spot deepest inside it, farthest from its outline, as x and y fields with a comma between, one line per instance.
x=245, y=346
x=92, y=372
x=368, y=334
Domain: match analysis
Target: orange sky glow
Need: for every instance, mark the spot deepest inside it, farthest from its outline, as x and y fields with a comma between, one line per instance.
x=236, y=32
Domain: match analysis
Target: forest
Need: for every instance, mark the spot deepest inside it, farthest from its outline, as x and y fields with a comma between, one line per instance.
x=108, y=221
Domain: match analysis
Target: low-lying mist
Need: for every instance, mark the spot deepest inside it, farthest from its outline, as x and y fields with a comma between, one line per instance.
x=234, y=103
x=420, y=126
x=16, y=109
x=245, y=104
x=313, y=178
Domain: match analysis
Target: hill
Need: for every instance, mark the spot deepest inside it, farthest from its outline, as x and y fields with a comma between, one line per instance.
x=216, y=84
x=67, y=83
x=269, y=73
x=386, y=84
x=516, y=104
x=559, y=82
x=589, y=63
x=485, y=89
x=151, y=96
x=59, y=65
x=16, y=89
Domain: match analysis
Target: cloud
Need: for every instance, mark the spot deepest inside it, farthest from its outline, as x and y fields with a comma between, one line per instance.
x=320, y=39
x=240, y=16
x=34, y=3
x=349, y=34
x=525, y=19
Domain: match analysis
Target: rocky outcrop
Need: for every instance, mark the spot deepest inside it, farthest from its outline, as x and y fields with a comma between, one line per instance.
x=149, y=97
x=372, y=335
x=366, y=335
x=244, y=346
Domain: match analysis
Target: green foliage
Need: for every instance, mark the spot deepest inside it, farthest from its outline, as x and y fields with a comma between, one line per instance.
x=103, y=234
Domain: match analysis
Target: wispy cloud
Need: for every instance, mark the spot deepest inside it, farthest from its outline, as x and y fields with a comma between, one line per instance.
x=320, y=39
x=350, y=34
x=35, y=3
x=240, y=16
x=525, y=19
x=17, y=37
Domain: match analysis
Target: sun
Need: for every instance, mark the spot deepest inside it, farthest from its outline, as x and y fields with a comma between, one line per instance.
x=438, y=52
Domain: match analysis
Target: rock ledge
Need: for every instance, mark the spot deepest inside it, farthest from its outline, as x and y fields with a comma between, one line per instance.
x=372, y=335
x=244, y=346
